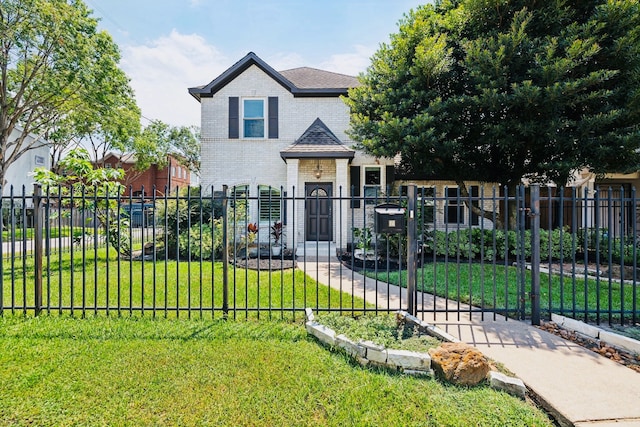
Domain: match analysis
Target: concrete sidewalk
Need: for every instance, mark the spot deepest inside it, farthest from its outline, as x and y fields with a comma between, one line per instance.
x=578, y=386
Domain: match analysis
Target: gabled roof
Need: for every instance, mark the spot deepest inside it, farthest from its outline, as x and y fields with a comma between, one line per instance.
x=126, y=158
x=299, y=81
x=317, y=142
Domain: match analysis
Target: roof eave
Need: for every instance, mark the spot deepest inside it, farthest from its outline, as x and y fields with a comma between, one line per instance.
x=234, y=71
x=319, y=155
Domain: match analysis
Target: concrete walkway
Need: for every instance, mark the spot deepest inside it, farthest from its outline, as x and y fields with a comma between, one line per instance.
x=578, y=386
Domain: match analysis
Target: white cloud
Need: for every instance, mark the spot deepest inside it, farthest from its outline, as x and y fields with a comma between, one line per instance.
x=285, y=61
x=163, y=69
x=352, y=63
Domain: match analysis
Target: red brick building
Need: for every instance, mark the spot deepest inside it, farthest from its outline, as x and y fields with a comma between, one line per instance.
x=165, y=179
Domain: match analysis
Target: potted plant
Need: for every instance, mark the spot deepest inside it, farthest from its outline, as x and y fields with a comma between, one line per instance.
x=363, y=237
x=276, y=231
x=251, y=249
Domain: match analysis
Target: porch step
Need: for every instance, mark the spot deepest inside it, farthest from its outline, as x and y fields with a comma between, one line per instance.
x=320, y=251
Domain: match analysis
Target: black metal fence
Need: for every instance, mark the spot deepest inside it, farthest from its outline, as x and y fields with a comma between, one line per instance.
x=225, y=252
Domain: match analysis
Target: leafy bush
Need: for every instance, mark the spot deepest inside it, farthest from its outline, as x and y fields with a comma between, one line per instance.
x=183, y=217
x=492, y=245
x=197, y=243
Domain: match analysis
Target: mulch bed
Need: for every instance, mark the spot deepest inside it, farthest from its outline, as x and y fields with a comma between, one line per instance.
x=265, y=264
x=627, y=359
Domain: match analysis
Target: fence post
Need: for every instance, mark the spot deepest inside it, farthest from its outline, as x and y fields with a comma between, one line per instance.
x=535, y=254
x=412, y=247
x=37, y=245
x=225, y=253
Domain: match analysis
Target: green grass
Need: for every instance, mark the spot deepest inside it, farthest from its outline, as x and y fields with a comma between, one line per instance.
x=140, y=371
x=485, y=286
x=95, y=282
x=21, y=233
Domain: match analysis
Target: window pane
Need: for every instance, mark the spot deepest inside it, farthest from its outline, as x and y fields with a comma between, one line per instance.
x=253, y=108
x=454, y=210
x=254, y=128
x=372, y=176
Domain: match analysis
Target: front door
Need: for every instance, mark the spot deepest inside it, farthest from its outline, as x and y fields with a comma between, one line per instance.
x=318, y=212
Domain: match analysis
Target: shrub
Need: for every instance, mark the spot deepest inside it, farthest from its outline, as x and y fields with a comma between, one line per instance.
x=183, y=215
x=197, y=243
x=492, y=245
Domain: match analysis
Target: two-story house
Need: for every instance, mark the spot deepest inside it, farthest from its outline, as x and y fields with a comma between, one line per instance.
x=266, y=133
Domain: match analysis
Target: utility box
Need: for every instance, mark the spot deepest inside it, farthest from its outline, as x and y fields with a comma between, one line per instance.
x=390, y=219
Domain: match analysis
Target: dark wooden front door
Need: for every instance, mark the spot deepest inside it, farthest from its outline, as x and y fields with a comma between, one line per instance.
x=318, y=212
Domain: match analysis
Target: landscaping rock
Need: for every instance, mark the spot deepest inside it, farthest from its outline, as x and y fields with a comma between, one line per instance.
x=350, y=347
x=309, y=314
x=324, y=334
x=375, y=353
x=511, y=385
x=459, y=363
x=408, y=359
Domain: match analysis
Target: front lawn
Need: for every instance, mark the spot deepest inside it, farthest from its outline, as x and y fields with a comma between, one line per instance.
x=141, y=371
x=489, y=286
x=91, y=282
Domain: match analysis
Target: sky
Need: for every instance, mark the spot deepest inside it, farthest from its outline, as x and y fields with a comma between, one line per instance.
x=168, y=46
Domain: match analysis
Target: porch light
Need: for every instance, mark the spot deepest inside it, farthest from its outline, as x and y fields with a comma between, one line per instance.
x=318, y=170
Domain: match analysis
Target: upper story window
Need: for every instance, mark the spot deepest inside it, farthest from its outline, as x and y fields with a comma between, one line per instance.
x=39, y=160
x=253, y=118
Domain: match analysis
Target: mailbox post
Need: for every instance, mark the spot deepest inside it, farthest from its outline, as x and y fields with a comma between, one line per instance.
x=390, y=219
x=412, y=249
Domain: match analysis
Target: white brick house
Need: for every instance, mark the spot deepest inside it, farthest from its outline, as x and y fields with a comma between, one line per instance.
x=267, y=133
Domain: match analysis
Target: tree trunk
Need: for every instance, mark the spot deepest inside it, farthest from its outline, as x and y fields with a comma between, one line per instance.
x=502, y=216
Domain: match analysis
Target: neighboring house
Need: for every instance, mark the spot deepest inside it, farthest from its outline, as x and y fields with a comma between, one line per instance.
x=170, y=177
x=20, y=172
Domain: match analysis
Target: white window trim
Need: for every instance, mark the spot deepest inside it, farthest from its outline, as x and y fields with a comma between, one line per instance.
x=265, y=115
x=363, y=179
x=467, y=213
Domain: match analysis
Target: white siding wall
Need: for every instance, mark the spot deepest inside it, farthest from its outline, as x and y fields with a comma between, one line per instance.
x=250, y=161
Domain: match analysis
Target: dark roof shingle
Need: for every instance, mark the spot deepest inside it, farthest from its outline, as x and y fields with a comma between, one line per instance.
x=317, y=142
x=312, y=78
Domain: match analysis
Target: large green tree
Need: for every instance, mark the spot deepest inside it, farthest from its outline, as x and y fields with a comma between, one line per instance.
x=500, y=90
x=59, y=78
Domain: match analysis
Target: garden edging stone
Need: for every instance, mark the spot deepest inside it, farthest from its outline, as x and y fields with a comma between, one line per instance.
x=367, y=353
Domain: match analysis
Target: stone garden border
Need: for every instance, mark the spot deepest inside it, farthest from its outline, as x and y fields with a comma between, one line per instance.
x=367, y=353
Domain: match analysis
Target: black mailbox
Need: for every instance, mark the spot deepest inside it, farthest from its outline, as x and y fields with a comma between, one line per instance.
x=389, y=219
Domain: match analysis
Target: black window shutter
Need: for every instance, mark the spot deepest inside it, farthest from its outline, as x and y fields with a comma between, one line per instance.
x=234, y=117
x=391, y=177
x=355, y=185
x=273, y=117
x=475, y=193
